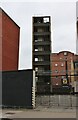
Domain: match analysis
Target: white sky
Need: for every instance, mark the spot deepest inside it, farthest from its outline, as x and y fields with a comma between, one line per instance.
x=63, y=25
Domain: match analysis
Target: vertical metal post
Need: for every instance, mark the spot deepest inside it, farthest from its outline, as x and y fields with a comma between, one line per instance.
x=66, y=71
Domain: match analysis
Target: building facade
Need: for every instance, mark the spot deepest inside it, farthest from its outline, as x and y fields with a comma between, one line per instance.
x=76, y=62
x=41, y=51
x=77, y=27
x=62, y=65
x=9, y=43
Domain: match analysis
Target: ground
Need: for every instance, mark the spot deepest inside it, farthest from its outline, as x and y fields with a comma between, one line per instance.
x=37, y=113
x=55, y=106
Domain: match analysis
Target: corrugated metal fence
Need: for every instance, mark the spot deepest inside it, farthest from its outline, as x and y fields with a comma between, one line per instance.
x=56, y=100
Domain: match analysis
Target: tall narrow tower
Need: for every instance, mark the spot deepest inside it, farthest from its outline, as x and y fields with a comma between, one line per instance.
x=41, y=51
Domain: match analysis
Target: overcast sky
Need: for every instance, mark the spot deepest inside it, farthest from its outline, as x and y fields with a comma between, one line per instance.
x=63, y=25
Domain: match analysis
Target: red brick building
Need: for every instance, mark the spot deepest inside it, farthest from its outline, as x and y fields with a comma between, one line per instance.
x=9, y=43
x=62, y=66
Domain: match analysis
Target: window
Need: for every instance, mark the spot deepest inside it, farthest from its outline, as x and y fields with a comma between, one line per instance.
x=46, y=20
x=62, y=77
x=36, y=79
x=40, y=39
x=36, y=49
x=65, y=53
x=40, y=49
x=40, y=30
x=76, y=65
x=41, y=59
x=56, y=83
x=36, y=69
x=39, y=21
x=36, y=40
x=36, y=59
x=56, y=64
x=62, y=64
x=56, y=71
x=63, y=71
x=41, y=69
x=56, y=77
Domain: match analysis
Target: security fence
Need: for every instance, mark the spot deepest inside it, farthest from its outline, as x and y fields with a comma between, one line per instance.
x=56, y=101
x=61, y=81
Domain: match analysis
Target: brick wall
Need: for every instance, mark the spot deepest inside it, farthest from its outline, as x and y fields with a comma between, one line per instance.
x=10, y=43
x=58, y=66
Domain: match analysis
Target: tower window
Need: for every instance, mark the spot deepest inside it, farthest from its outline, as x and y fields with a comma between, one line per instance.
x=46, y=20
x=36, y=59
x=36, y=49
x=36, y=79
x=36, y=69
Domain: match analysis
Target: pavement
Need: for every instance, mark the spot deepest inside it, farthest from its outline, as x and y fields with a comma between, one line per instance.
x=39, y=113
x=54, y=107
